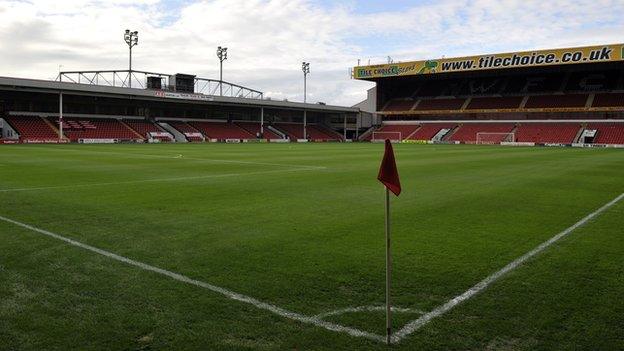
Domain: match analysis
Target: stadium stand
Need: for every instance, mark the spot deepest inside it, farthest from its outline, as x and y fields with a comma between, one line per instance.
x=186, y=129
x=254, y=129
x=608, y=100
x=393, y=131
x=399, y=105
x=534, y=83
x=608, y=133
x=484, y=103
x=32, y=128
x=557, y=101
x=144, y=128
x=104, y=128
x=440, y=104
x=556, y=133
x=222, y=130
x=293, y=130
x=467, y=133
x=429, y=130
x=315, y=132
x=330, y=134
x=319, y=133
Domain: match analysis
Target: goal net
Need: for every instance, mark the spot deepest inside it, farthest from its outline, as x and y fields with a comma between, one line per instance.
x=495, y=138
x=382, y=136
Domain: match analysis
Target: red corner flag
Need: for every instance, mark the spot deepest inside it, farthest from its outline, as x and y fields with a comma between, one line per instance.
x=388, y=173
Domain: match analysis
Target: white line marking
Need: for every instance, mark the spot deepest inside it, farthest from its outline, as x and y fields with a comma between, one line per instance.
x=155, y=180
x=416, y=324
x=365, y=309
x=225, y=292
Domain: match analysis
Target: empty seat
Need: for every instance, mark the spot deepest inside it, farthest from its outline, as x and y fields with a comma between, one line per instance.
x=101, y=128
x=146, y=127
x=293, y=130
x=399, y=105
x=32, y=128
x=428, y=130
x=557, y=101
x=186, y=129
x=394, y=131
x=484, y=103
x=557, y=133
x=468, y=132
x=608, y=133
x=254, y=128
x=440, y=104
x=222, y=130
x=608, y=100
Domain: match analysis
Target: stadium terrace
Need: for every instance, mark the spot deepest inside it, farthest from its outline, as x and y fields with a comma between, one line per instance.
x=554, y=97
x=102, y=107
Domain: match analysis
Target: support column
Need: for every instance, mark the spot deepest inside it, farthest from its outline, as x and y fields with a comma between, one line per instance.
x=305, y=124
x=358, y=123
x=262, y=122
x=60, y=116
x=344, y=130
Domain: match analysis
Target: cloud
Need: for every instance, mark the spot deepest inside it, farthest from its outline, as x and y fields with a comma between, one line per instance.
x=267, y=40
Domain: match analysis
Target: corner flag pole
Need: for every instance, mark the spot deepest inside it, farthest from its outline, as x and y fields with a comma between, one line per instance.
x=388, y=271
x=389, y=177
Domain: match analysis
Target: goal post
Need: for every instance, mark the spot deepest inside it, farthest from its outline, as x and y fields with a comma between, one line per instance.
x=382, y=136
x=486, y=138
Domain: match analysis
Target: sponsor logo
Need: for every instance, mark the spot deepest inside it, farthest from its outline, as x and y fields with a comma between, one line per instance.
x=605, y=53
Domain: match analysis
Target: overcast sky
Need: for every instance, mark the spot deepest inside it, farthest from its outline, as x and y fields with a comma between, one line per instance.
x=267, y=40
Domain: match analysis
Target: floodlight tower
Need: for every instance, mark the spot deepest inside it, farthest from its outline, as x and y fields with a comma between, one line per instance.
x=305, y=67
x=132, y=39
x=222, y=55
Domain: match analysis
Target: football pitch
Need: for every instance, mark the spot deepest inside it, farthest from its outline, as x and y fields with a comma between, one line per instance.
x=281, y=247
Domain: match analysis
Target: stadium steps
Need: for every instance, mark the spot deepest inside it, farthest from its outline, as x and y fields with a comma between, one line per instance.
x=56, y=130
x=132, y=130
x=179, y=137
x=466, y=103
x=184, y=127
x=590, y=100
x=293, y=131
x=276, y=131
x=331, y=134
x=412, y=133
x=514, y=130
x=579, y=133
x=453, y=130
x=365, y=136
x=525, y=99
x=254, y=128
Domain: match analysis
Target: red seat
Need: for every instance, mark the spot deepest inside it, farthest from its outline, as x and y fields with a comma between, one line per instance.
x=467, y=133
x=556, y=133
x=608, y=133
x=101, y=128
x=32, y=128
x=222, y=130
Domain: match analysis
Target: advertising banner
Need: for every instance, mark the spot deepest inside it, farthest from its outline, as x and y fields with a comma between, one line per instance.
x=553, y=57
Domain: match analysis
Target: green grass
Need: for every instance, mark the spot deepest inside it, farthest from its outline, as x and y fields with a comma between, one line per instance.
x=310, y=240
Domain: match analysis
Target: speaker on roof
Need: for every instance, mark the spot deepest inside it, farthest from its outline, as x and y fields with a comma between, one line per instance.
x=154, y=82
x=182, y=82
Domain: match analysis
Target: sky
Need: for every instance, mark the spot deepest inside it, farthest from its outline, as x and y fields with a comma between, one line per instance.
x=268, y=40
